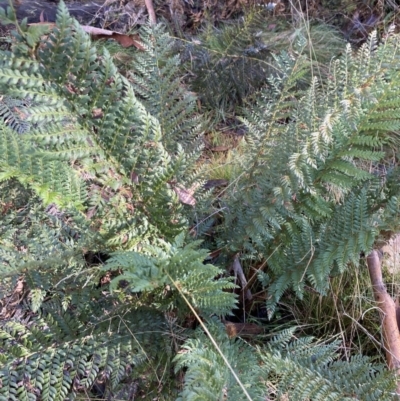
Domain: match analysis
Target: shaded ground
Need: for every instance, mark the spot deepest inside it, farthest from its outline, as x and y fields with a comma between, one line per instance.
x=355, y=19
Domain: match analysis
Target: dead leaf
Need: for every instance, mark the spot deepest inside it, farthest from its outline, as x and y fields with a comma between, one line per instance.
x=185, y=196
x=91, y=212
x=126, y=193
x=220, y=149
x=19, y=288
x=123, y=39
x=97, y=113
x=99, y=33
x=134, y=178
x=71, y=89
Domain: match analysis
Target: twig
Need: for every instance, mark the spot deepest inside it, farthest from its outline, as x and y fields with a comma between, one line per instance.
x=237, y=269
x=150, y=10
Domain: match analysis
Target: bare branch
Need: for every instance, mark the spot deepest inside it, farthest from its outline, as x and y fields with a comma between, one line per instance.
x=390, y=330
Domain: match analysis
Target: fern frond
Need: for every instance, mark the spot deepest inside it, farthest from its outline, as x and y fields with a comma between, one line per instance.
x=208, y=378
x=313, y=172
x=157, y=81
x=302, y=368
x=35, y=367
x=171, y=270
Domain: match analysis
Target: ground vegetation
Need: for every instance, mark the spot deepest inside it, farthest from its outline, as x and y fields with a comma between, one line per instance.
x=209, y=213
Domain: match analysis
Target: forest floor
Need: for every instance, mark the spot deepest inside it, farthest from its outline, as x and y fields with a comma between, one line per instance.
x=328, y=25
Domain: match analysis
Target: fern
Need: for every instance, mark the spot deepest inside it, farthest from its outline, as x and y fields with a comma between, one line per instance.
x=96, y=172
x=207, y=376
x=310, y=370
x=170, y=270
x=156, y=78
x=300, y=368
x=58, y=357
x=307, y=200
x=230, y=63
x=94, y=221
x=124, y=165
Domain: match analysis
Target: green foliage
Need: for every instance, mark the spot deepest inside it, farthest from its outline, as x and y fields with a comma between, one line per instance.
x=58, y=355
x=310, y=198
x=81, y=338
x=316, y=371
x=94, y=173
x=156, y=79
x=84, y=110
x=230, y=63
x=170, y=270
x=94, y=226
x=301, y=368
x=207, y=376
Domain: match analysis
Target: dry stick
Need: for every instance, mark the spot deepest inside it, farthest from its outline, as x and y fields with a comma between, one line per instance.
x=237, y=269
x=150, y=10
x=390, y=331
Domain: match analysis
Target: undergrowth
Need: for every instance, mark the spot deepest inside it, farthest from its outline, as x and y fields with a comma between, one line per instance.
x=147, y=253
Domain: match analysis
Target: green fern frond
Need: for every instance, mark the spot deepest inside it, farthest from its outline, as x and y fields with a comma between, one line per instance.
x=208, y=378
x=156, y=80
x=312, y=173
x=171, y=272
x=302, y=369
x=96, y=146
x=35, y=367
x=53, y=180
x=309, y=370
